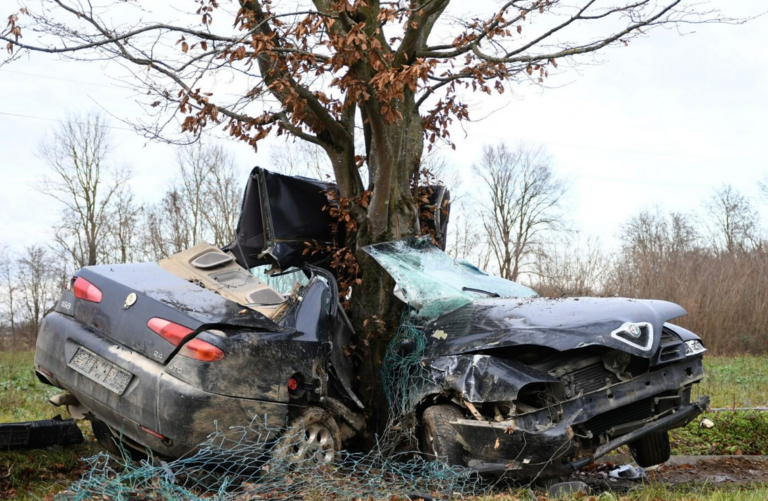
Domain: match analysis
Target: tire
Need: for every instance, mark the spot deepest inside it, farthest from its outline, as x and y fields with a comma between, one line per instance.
x=439, y=437
x=651, y=450
x=109, y=440
x=312, y=439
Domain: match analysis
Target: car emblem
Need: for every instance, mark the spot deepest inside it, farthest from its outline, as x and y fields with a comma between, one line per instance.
x=130, y=300
x=634, y=331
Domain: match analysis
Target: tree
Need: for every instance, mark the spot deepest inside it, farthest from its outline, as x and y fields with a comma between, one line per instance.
x=301, y=159
x=124, y=228
x=523, y=202
x=570, y=266
x=328, y=71
x=222, y=196
x=38, y=285
x=84, y=183
x=733, y=221
x=203, y=206
x=763, y=186
x=8, y=293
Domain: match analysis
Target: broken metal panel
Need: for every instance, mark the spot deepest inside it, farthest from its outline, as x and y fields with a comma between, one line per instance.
x=279, y=215
x=562, y=324
x=40, y=434
x=554, y=440
x=432, y=282
x=341, y=337
x=482, y=378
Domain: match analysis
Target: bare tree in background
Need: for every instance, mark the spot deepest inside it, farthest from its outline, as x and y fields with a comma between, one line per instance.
x=223, y=197
x=466, y=237
x=85, y=184
x=195, y=165
x=570, y=266
x=300, y=158
x=125, y=229
x=8, y=289
x=733, y=221
x=203, y=206
x=521, y=201
x=763, y=187
x=166, y=230
x=654, y=246
x=39, y=285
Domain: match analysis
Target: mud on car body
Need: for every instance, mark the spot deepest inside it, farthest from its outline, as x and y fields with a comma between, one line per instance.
x=162, y=354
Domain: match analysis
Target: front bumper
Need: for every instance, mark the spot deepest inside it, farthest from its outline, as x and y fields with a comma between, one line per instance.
x=155, y=400
x=534, y=446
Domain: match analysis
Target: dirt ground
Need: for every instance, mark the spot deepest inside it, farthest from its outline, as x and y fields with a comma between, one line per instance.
x=688, y=470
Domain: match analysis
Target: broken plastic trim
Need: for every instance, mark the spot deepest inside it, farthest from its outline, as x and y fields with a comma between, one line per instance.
x=40, y=434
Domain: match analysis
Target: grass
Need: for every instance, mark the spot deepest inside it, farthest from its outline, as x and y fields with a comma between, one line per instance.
x=731, y=382
x=34, y=474
x=736, y=381
x=734, y=433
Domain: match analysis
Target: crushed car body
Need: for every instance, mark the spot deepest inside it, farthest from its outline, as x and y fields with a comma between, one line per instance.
x=159, y=355
x=543, y=386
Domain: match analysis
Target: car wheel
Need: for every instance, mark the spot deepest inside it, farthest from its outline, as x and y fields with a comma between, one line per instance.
x=651, y=450
x=313, y=438
x=108, y=439
x=439, y=437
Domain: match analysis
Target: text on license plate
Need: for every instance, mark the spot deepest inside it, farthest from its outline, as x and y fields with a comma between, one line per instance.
x=103, y=372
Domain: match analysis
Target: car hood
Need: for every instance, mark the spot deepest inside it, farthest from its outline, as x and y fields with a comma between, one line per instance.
x=562, y=324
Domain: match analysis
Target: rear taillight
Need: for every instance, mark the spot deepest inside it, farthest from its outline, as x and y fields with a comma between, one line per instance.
x=86, y=290
x=167, y=441
x=171, y=332
x=175, y=334
x=201, y=350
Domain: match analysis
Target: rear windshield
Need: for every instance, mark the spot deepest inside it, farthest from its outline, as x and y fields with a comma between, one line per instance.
x=284, y=283
x=433, y=283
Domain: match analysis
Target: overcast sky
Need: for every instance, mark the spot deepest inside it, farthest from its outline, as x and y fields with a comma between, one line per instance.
x=663, y=121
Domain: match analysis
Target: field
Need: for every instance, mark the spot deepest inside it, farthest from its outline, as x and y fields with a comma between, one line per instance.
x=731, y=382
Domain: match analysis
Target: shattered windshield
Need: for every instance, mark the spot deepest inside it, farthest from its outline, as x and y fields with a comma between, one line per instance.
x=432, y=282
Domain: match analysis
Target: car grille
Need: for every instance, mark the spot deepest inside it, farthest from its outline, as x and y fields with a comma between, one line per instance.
x=596, y=376
x=636, y=411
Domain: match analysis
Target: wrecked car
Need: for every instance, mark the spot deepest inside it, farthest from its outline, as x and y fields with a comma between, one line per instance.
x=529, y=387
x=159, y=355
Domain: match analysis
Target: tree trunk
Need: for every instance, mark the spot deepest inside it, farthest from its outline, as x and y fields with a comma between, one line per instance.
x=394, y=153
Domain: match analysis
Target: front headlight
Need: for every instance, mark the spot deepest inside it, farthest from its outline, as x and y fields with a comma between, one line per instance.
x=693, y=348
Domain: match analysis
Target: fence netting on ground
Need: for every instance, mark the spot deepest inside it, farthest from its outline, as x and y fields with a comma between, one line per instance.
x=260, y=462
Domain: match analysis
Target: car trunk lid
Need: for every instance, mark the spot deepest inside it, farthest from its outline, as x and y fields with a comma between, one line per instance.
x=133, y=294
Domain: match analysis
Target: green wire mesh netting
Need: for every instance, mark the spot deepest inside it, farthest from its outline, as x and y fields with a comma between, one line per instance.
x=403, y=379
x=260, y=462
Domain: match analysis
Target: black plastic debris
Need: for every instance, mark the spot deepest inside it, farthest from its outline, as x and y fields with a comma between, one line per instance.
x=40, y=434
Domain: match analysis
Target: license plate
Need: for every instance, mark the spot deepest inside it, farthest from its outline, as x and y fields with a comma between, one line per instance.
x=103, y=372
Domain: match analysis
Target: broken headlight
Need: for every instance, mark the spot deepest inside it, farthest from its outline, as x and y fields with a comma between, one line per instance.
x=693, y=348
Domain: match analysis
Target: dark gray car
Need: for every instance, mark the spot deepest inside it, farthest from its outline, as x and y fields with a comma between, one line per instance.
x=507, y=382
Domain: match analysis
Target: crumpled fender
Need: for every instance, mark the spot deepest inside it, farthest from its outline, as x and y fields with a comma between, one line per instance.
x=562, y=324
x=483, y=378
